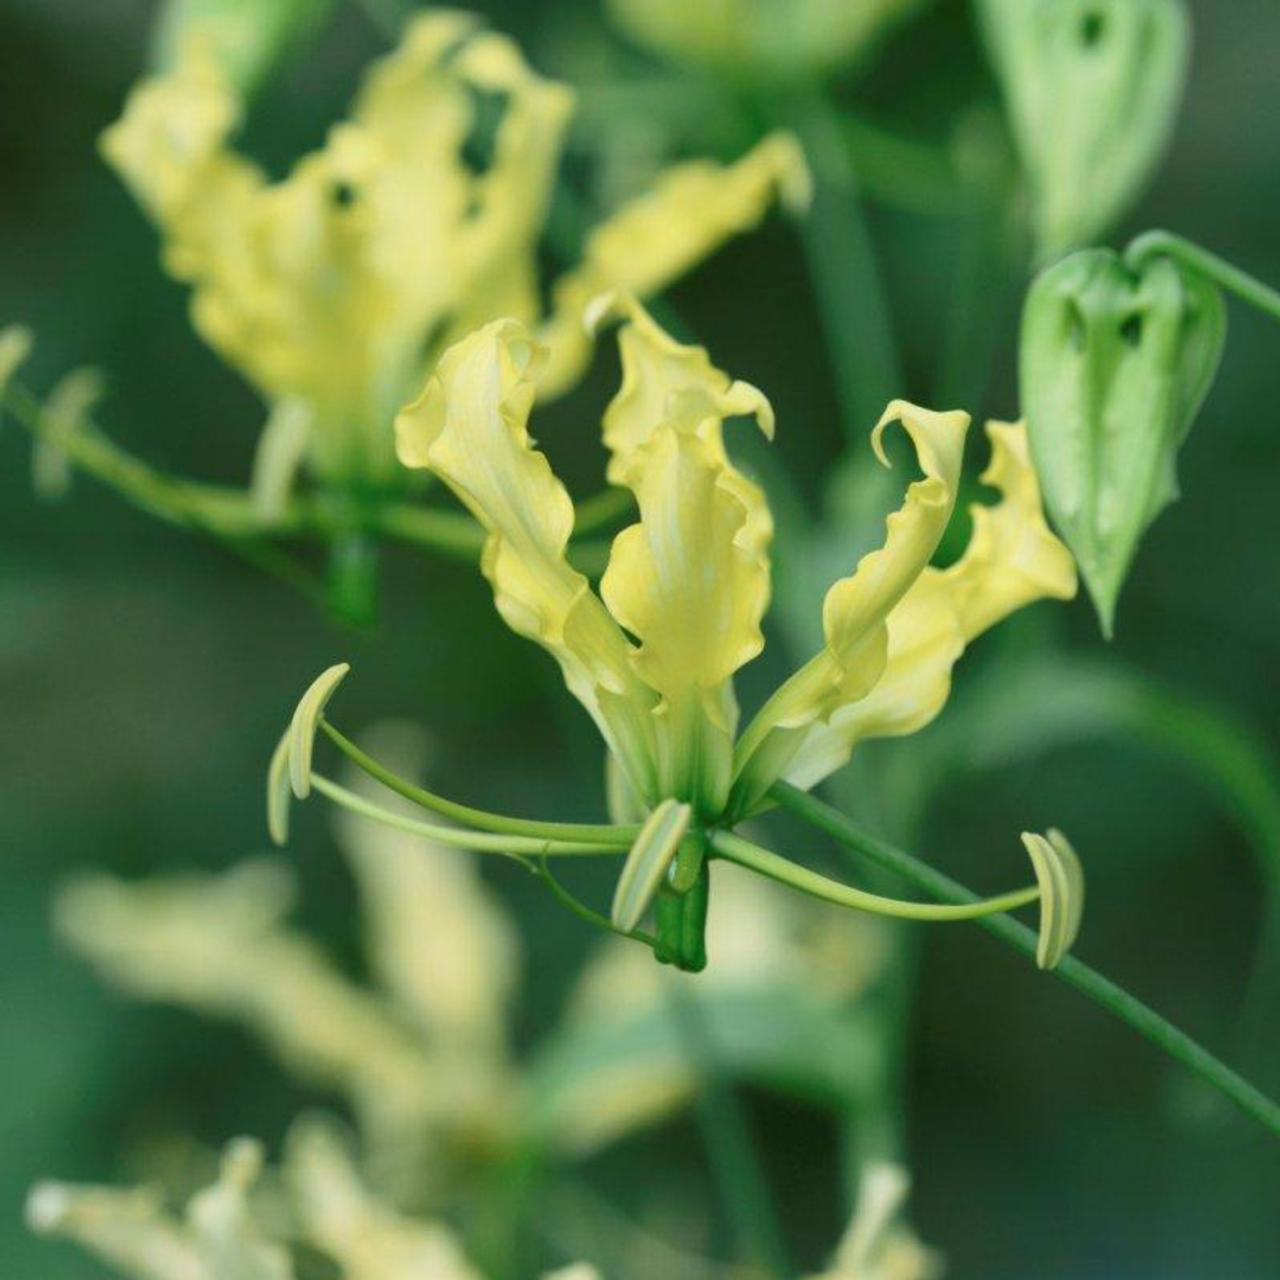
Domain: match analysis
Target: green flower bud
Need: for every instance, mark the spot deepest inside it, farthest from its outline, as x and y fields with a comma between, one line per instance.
x=1114, y=365
x=249, y=36
x=759, y=39
x=1091, y=88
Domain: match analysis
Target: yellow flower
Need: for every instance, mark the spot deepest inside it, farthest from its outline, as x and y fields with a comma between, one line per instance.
x=652, y=657
x=335, y=289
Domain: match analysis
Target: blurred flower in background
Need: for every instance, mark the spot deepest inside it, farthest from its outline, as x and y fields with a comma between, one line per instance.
x=335, y=289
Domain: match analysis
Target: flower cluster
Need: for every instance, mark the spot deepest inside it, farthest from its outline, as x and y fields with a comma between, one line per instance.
x=652, y=656
x=335, y=289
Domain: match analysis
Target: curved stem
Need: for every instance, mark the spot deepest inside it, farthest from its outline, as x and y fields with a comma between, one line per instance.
x=578, y=832
x=732, y=1154
x=511, y=846
x=581, y=910
x=843, y=271
x=230, y=514
x=733, y=848
x=602, y=509
x=1102, y=991
x=1246, y=287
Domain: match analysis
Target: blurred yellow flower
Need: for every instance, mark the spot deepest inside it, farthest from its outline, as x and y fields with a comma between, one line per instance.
x=335, y=289
x=877, y=1244
x=652, y=657
x=230, y=1233
x=421, y=1054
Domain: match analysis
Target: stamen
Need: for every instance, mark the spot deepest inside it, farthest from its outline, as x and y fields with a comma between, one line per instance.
x=512, y=846
x=733, y=848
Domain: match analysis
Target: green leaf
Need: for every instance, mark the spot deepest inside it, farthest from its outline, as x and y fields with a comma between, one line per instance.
x=1091, y=88
x=250, y=36
x=1113, y=367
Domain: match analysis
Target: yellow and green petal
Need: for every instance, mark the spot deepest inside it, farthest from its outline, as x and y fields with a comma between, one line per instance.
x=470, y=428
x=690, y=579
x=1012, y=560
x=856, y=610
x=690, y=211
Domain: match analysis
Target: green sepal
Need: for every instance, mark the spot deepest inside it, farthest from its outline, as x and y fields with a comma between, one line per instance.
x=681, y=920
x=1091, y=88
x=1114, y=365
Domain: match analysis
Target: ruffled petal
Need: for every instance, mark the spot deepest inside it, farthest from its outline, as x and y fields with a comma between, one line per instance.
x=1012, y=560
x=338, y=287
x=690, y=580
x=132, y=1232
x=690, y=211
x=469, y=427
x=856, y=610
x=365, y=1236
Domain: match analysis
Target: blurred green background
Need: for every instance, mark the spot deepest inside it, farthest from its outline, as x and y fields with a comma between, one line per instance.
x=146, y=674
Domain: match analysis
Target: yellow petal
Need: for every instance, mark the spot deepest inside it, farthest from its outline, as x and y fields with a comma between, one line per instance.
x=498, y=243
x=691, y=210
x=15, y=346
x=662, y=378
x=690, y=580
x=132, y=1232
x=365, y=1236
x=856, y=611
x=469, y=427
x=336, y=287
x=1012, y=560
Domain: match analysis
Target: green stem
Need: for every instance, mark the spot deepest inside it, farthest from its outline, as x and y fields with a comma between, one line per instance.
x=602, y=509
x=445, y=531
x=733, y=848
x=230, y=514
x=512, y=846
x=1102, y=991
x=735, y=1162
x=843, y=271
x=1246, y=287
x=579, y=832
x=584, y=912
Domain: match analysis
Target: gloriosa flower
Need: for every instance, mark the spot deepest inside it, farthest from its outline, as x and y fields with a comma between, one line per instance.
x=248, y=1224
x=335, y=290
x=652, y=657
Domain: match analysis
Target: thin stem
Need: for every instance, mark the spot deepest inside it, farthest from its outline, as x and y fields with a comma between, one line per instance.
x=511, y=846
x=584, y=912
x=843, y=271
x=445, y=531
x=1246, y=287
x=1102, y=991
x=230, y=514
x=578, y=832
x=602, y=509
x=733, y=848
x=734, y=1160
